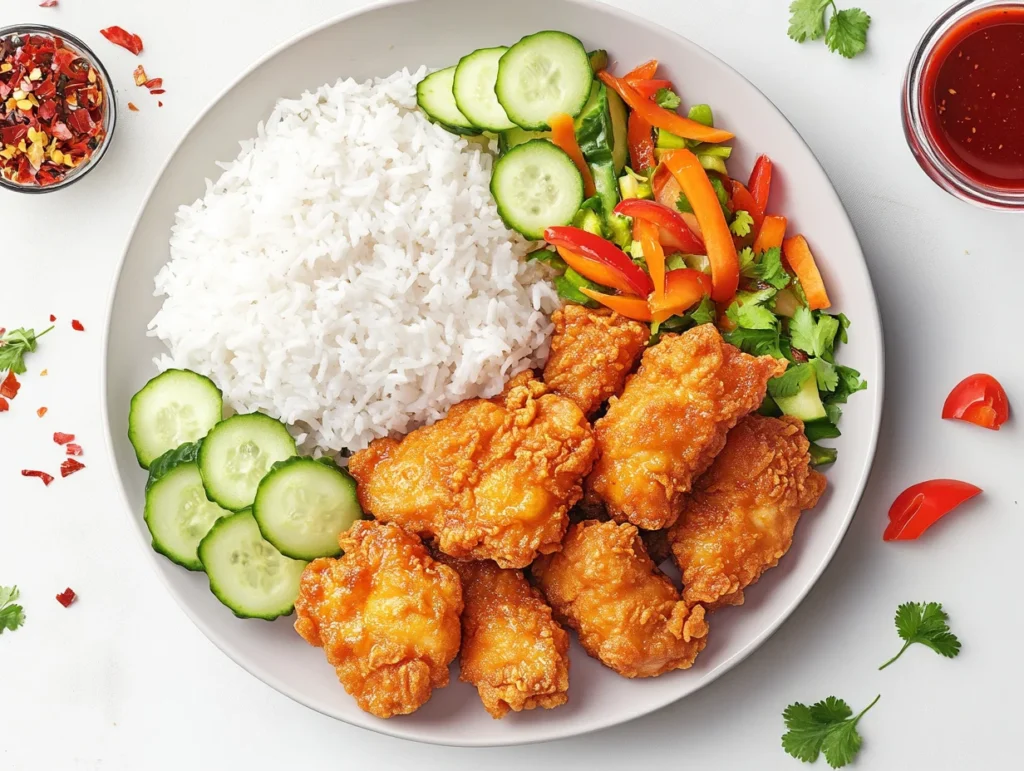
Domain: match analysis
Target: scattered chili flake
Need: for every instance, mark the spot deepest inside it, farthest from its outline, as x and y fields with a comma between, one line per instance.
x=140, y=75
x=52, y=318
x=154, y=83
x=77, y=325
x=70, y=466
x=4, y=406
x=158, y=91
x=121, y=37
x=44, y=373
x=159, y=104
x=42, y=411
x=74, y=449
x=132, y=107
x=67, y=597
x=48, y=4
x=10, y=386
x=60, y=438
x=41, y=474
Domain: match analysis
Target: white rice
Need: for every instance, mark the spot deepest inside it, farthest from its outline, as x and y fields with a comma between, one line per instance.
x=349, y=274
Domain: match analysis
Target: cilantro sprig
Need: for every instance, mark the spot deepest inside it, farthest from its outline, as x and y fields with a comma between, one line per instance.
x=925, y=623
x=13, y=347
x=828, y=727
x=667, y=98
x=12, y=615
x=845, y=32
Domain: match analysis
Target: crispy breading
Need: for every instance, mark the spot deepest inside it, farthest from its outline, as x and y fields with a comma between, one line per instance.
x=739, y=520
x=671, y=422
x=495, y=479
x=592, y=352
x=387, y=616
x=627, y=612
x=513, y=651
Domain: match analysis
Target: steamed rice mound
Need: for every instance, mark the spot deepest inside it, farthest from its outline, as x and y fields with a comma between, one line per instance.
x=349, y=274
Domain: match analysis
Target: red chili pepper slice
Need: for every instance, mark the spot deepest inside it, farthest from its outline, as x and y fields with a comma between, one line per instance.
x=67, y=597
x=920, y=506
x=122, y=37
x=978, y=399
x=760, y=183
x=597, y=249
x=74, y=449
x=77, y=325
x=10, y=386
x=675, y=235
x=4, y=406
x=41, y=474
x=60, y=438
x=70, y=466
x=641, y=142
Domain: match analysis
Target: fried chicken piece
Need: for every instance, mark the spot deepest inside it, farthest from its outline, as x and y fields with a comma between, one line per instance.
x=740, y=518
x=592, y=352
x=495, y=479
x=627, y=612
x=386, y=614
x=671, y=422
x=513, y=651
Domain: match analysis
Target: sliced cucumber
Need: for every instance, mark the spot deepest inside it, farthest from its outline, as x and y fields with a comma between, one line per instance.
x=473, y=89
x=543, y=74
x=238, y=453
x=434, y=96
x=302, y=506
x=598, y=59
x=175, y=407
x=620, y=141
x=536, y=185
x=805, y=403
x=246, y=572
x=517, y=136
x=179, y=515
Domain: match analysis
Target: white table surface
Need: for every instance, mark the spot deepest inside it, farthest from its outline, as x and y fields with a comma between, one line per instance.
x=122, y=680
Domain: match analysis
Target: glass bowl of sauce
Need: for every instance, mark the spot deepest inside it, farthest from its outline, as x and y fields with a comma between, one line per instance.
x=963, y=102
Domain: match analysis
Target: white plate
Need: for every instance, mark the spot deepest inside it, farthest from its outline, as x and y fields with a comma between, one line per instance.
x=437, y=32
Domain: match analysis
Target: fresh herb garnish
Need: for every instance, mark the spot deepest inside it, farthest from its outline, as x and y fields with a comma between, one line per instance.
x=12, y=616
x=667, y=98
x=13, y=347
x=766, y=267
x=925, y=623
x=828, y=727
x=741, y=224
x=846, y=31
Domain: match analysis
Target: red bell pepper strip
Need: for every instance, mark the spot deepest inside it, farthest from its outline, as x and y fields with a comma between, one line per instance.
x=978, y=399
x=684, y=288
x=597, y=272
x=920, y=506
x=742, y=199
x=641, y=143
x=675, y=235
x=761, y=181
x=718, y=243
x=798, y=255
x=659, y=117
x=644, y=71
x=597, y=249
x=649, y=88
x=646, y=232
x=563, y=135
x=772, y=233
x=631, y=307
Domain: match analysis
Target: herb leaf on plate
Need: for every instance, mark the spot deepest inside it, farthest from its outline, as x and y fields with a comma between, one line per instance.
x=828, y=727
x=13, y=347
x=845, y=32
x=925, y=623
x=667, y=98
x=12, y=616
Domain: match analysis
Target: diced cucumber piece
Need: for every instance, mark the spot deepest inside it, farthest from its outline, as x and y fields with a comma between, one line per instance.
x=543, y=74
x=434, y=96
x=175, y=407
x=594, y=126
x=720, y=151
x=786, y=302
x=246, y=572
x=713, y=163
x=302, y=505
x=517, y=136
x=598, y=60
x=238, y=453
x=620, y=141
x=617, y=227
x=702, y=114
x=805, y=404
x=536, y=185
x=179, y=515
x=473, y=89
x=669, y=141
x=590, y=221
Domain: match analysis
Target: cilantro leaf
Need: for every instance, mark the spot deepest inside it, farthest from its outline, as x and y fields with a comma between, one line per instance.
x=747, y=311
x=667, y=98
x=723, y=195
x=13, y=347
x=807, y=19
x=847, y=33
x=11, y=616
x=790, y=381
x=768, y=268
x=746, y=258
x=833, y=412
x=741, y=224
x=827, y=727
x=756, y=342
x=925, y=623
x=826, y=374
x=704, y=313
x=820, y=429
x=814, y=336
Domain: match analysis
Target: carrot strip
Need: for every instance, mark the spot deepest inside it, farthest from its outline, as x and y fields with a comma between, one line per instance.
x=563, y=134
x=798, y=255
x=772, y=233
x=631, y=307
x=645, y=71
x=646, y=232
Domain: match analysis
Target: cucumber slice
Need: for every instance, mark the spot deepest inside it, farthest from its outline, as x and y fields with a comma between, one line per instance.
x=238, y=453
x=246, y=572
x=179, y=515
x=536, y=185
x=542, y=74
x=473, y=89
x=302, y=505
x=620, y=141
x=434, y=96
x=175, y=407
x=805, y=404
x=517, y=136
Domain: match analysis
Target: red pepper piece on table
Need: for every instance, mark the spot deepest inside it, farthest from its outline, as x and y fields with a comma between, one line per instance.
x=77, y=325
x=641, y=142
x=41, y=474
x=760, y=183
x=920, y=506
x=60, y=438
x=684, y=288
x=4, y=406
x=9, y=388
x=598, y=250
x=122, y=37
x=42, y=411
x=70, y=466
x=67, y=597
x=978, y=399
x=74, y=449
x=674, y=235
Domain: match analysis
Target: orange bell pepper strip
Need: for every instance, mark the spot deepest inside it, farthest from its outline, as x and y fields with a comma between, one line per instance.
x=798, y=255
x=644, y=71
x=646, y=232
x=761, y=181
x=597, y=272
x=772, y=233
x=625, y=305
x=649, y=88
x=742, y=199
x=684, y=288
x=629, y=277
x=563, y=135
x=659, y=117
x=718, y=243
x=641, y=142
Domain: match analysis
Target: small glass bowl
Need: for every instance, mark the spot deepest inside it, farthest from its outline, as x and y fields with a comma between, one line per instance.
x=922, y=143
x=109, y=107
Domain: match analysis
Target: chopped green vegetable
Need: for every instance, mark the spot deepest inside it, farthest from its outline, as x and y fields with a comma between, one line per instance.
x=791, y=381
x=741, y=224
x=845, y=32
x=756, y=342
x=821, y=429
x=748, y=310
x=825, y=373
x=826, y=727
x=568, y=288
x=667, y=98
x=666, y=140
x=822, y=456
x=12, y=616
x=719, y=151
x=815, y=337
x=925, y=623
x=703, y=313
x=766, y=267
x=549, y=257
x=13, y=347
x=598, y=59
x=713, y=163
x=702, y=114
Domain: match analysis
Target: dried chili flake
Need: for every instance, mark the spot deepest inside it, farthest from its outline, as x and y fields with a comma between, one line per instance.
x=132, y=107
x=77, y=325
x=41, y=474
x=159, y=104
x=52, y=318
x=154, y=83
x=4, y=406
x=48, y=4
x=74, y=449
x=140, y=76
x=70, y=466
x=67, y=597
x=44, y=373
x=122, y=37
x=9, y=388
x=60, y=438
x=42, y=411
x=158, y=91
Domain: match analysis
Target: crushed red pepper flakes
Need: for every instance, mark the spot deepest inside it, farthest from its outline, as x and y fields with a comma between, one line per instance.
x=67, y=597
x=122, y=37
x=42, y=411
x=52, y=318
x=9, y=388
x=158, y=91
x=77, y=325
x=154, y=83
x=48, y=4
x=41, y=474
x=4, y=406
x=74, y=449
x=70, y=466
x=44, y=373
x=159, y=104
x=140, y=76
x=132, y=107
x=60, y=438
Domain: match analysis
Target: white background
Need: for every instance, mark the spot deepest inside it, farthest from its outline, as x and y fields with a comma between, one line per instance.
x=122, y=680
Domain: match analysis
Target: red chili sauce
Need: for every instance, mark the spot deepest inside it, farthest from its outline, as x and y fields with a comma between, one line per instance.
x=974, y=85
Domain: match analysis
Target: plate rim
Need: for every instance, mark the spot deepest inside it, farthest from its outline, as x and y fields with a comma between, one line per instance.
x=392, y=729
